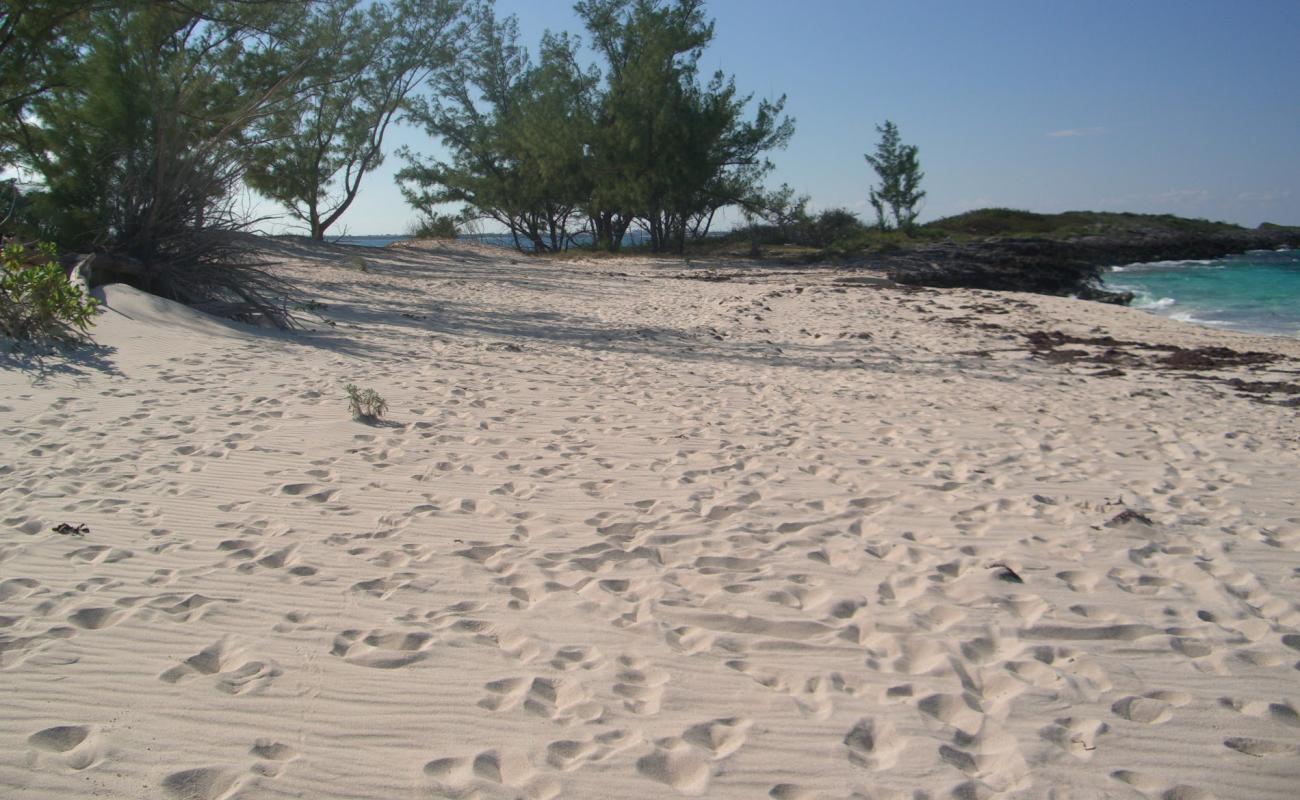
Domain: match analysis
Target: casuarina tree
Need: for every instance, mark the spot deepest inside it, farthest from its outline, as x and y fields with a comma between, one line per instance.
x=900, y=179
x=360, y=65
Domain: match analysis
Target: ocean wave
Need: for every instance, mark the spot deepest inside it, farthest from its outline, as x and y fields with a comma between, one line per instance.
x=1184, y=316
x=1142, y=266
x=1143, y=299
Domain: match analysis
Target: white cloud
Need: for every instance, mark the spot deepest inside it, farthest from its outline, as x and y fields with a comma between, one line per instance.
x=1263, y=197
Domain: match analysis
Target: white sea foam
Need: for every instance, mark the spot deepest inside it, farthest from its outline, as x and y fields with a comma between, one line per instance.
x=1145, y=300
x=1147, y=265
x=1185, y=316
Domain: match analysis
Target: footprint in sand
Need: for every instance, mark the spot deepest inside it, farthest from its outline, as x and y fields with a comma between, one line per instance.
x=564, y=701
x=95, y=618
x=578, y=657
x=505, y=694
x=678, y=764
x=1262, y=748
x=383, y=649
x=874, y=743
x=640, y=685
x=274, y=757
x=16, y=649
x=513, y=643
x=18, y=588
x=1078, y=737
x=202, y=783
x=1283, y=712
x=1145, y=710
x=187, y=608
x=28, y=525
x=960, y=711
x=776, y=681
x=161, y=577
x=99, y=554
x=384, y=587
x=991, y=755
x=296, y=621
x=75, y=746
x=1153, y=786
x=720, y=737
x=569, y=754
x=490, y=770
x=225, y=662
x=311, y=492
x=689, y=639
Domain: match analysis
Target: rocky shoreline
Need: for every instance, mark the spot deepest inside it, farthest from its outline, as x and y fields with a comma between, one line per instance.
x=1066, y=266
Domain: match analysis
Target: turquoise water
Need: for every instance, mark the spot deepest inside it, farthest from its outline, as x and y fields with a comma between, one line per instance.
x=1257, y=291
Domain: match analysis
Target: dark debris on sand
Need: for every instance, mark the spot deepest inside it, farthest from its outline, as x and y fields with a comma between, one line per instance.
x=1056, y=347
x=1129, y=515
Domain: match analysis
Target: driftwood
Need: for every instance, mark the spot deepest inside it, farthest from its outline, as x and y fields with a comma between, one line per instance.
x=96, y=269
x=213, y=274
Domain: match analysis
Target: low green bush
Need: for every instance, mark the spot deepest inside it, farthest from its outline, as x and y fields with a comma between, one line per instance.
x=365, y=405
x=435, y=226
x=36, y=299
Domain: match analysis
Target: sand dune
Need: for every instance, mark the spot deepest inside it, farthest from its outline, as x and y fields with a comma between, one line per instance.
x=624, y=533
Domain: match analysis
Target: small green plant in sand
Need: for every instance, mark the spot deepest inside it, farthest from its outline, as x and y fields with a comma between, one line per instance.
x=358, y=263
x=36, y=299
x=365, y=405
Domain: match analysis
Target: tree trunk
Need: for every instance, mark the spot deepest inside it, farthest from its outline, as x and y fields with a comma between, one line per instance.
x=317, y=230
x=617, y=232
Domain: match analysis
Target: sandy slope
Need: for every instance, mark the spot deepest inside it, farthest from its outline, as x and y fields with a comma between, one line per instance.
x=628, y=535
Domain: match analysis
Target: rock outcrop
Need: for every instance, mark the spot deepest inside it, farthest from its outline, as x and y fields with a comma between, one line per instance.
x=1071, y=266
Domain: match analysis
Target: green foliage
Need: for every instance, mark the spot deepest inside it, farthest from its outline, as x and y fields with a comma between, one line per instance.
x=545, y=148
x=365, y=405
x=900, y=176
x=781, y=217
x=670, y=150
x=516, y=132
x=37, y=41
x=356, y=69
x=139, y=144
x=833, y=225
x=435, y=226
x=139, y=141
x=987, y=222
x=36, y=299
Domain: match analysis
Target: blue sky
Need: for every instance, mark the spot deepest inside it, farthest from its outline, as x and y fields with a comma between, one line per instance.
x=1176, y=106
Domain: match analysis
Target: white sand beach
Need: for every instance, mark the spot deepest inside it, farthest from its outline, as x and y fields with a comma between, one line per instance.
x=624, y=534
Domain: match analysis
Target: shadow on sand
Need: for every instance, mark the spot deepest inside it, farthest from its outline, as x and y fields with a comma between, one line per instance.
x=44, y=362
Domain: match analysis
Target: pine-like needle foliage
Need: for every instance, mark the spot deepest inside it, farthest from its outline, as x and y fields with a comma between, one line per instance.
x=900, y=175
x=360, y=65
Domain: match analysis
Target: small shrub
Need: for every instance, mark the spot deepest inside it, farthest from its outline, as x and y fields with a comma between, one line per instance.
x=36, y=299
x=365, y=405
x=359, y=263
x=833, y=225
x=435, y=226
